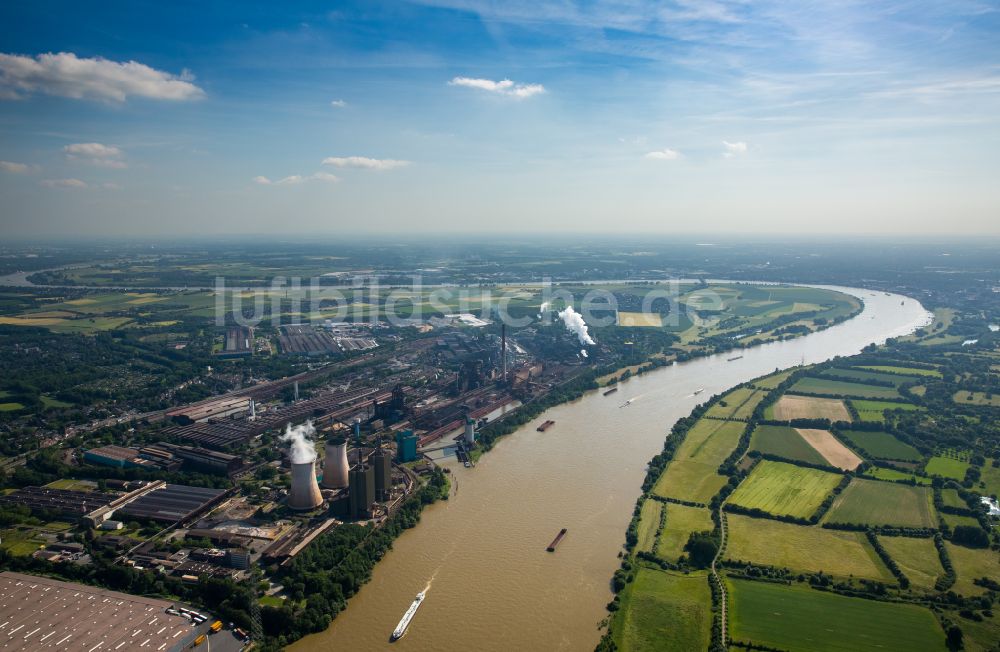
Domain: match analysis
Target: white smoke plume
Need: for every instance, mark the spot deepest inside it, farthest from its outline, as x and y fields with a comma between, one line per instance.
x=583, y=352
x=574, y=322
x=301, y=448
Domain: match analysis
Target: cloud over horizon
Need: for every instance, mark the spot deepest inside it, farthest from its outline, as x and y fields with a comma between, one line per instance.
x=16, y=168
x=296, y=179
x=502, y=87
x=364, y=162
x=62, y=183
x=665, y=154
x=738, y=148
x=66, y=75
x=105, y=156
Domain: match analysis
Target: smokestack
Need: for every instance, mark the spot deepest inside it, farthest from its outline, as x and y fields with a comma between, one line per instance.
x=470, y=431
x=296, y=390
x=335, y=466
x=253, y=410
x=357, y=431
x=305, y=491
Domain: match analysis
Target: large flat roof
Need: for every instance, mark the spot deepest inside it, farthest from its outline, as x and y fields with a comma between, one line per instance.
x=38, y=613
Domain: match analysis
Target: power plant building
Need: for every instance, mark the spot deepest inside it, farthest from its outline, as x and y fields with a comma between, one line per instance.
x=304, y=494
x=383, y=473
x=406, y=446
x=362, y=490
x=335, y=466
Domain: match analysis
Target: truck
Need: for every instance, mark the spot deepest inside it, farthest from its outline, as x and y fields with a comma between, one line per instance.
x=216, y=626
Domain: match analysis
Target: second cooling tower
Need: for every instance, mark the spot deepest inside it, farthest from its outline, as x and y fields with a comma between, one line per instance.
x=305, y=491
x=335, y=467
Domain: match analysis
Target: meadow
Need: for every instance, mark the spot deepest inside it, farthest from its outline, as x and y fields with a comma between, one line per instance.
x=874, y=411
x=814, y=385
x=772, y=381
x=690, y=480
x=784, y=489
x=661, y=610
x=737, y=404
x=786, y=442
x=909, y=371
x=977, y=398
x=883, y=503
x=970, y=564
x=803, y=548
x=881, y=445
x=946, y=467
x=799, y=618
x=649, y=521
x=866, y=376
x=710, y=441
x=892, y=475
x=917, y=558
x=681, y=522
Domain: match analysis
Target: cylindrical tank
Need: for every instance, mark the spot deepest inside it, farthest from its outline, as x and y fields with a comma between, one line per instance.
x=470, y=431
x=305, y=491
x=335, y=467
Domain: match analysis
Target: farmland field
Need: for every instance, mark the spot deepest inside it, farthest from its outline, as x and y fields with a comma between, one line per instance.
x=811, y=385
x=803, y=548
x=779, y=488
x=786, y=442
x=946, y=467
x=689, y=480
x=832, y=450
x=681, y=522
x=664, y=611
x=649, y=521
x=640, y=319
x=990, y=478
x=970, y=564
x=976, y=398
x=740, y=404
x=866, y=376
x=799, y=618
x=772, y=381
x=883, y=473
x=873, y=411
x=917, y=558
x=909, y=371
x=954, y=520
x=881, y=445
x=950, y=498
x=883, y=503
x=710, y=441
x=808, y=407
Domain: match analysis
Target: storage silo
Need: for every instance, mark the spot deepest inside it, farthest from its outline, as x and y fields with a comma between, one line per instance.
x=470, y=431
x=305, y=490
x=335, y=466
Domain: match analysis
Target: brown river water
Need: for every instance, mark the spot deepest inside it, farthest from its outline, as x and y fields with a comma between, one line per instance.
x=492, y=584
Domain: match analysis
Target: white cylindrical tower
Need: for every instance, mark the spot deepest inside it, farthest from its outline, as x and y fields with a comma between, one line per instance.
x=335, y=467
x=305, y=491
x=470, y=431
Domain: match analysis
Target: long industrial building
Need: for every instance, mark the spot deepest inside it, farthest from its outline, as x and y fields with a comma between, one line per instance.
x=172, y=503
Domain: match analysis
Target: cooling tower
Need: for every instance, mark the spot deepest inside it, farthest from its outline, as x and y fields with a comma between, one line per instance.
x=335, y=465
x=305, y=492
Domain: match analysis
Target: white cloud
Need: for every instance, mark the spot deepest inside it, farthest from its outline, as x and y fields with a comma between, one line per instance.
x=734, y=149
x=296, y=179
x=338, y=104
x=66, y=75
x=105, y=156
x=16, y=168
x=665, y=154
x=111, y=186
x=502, y=87
x=62, y=183
x=364, y=163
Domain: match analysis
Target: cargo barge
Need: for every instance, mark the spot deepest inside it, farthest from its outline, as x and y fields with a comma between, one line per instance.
x=735, y=357
x=611, y=391
x=545, y=426
x=557, y=540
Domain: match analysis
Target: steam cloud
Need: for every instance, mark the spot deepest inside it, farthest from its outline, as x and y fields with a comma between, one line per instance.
x=301, y=448
x=574, y=322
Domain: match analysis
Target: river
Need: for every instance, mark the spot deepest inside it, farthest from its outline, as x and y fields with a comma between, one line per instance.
x=492, y=584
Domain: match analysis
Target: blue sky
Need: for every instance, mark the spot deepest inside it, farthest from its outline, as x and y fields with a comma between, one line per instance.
x=468, y=116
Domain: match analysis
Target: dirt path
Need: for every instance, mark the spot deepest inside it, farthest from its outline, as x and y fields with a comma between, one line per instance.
x=723, y=597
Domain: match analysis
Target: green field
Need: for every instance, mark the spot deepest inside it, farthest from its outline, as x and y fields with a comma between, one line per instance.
x=970, y=564
x=883, y=503
x=990, y=478
x=10, y=407
x=779, y=488
x=892, y=475
x=785, y=442
x=661, y=610
x=954, y=520
x=681, y=522
x=649, y=521
x=866, y=376
x=803, y=548
x=739, y=404
x=946, y=467
x=909, y=371
x=917, y=558
x=950, y=498
x=881, y=445
x=710, y=441
x=799, y=618
x=811, y=385
x=873, y=411
x=772, y=381
x=691, y=481
x=977, y=398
